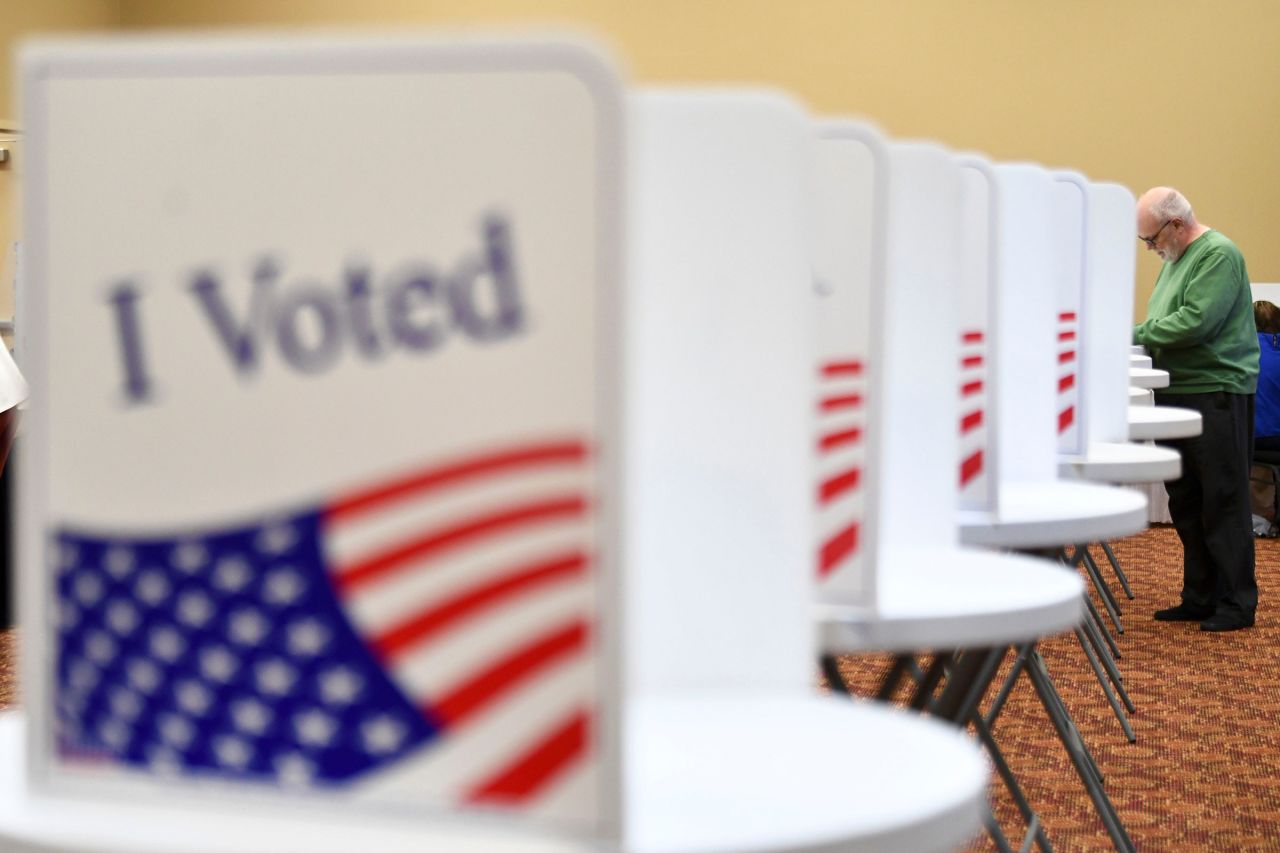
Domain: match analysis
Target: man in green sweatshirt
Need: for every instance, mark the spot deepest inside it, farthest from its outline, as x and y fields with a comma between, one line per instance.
x=1199, y=327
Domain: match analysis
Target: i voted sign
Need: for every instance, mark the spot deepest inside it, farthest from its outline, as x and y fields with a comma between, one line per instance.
x=318, y=476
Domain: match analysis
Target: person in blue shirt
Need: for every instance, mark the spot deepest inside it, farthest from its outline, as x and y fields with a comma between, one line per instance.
x=1266, y=413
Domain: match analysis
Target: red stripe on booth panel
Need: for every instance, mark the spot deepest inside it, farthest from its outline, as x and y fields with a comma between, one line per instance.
x=970, y=388
x=1066, y=417
x=971, y=421
x=839, y=546
x=970, y=467
x=839, y=484
x=535, y=770
x=852, y=367
x=1067, y=316
x=1066, y=336
x=846, y=401
x=973, y=336
x=1066, y=382
x=1066, y=356
x=835, y=440
x=971, y=361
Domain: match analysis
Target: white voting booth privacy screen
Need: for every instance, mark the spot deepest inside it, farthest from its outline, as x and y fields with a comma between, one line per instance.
x=976, y=326
x=850, y=199
x=1070, y=220
x=919, y=407
x=1108, y=307
x=1022, y=380
x=321, y=463
x=720, y=394
x=887, y=355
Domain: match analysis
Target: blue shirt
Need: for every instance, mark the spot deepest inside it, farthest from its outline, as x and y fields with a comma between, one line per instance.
x=1266, y=414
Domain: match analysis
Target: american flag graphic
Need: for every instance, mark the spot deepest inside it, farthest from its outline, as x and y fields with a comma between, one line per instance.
x=973, y=427
x=430, y=636
x=841, y=422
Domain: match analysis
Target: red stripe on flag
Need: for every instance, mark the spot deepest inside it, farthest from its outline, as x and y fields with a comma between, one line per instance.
x=970, y=467
x=1066, y=417
x=1066, y=356
x=838, y=485
x=1067, y=316
x=842, y=368
x=447, y=475
x=412, y=632
x=534, y=769
x=847, y=401
x=404, y=556
x=971, y=361
x=971, y=387
x=1066, y=382
x=837, y=548
x=507, y=674
x=833, y=440
x=1066, y=336
x=971, y=337
x=971, y=421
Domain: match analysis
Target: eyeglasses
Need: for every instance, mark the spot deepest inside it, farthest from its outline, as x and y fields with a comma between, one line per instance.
x=1151, y=241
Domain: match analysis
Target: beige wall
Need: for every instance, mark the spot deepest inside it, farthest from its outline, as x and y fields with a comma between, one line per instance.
x=1176, y=92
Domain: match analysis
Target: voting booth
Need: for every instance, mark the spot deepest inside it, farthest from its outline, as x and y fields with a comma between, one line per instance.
x=886, y=480
x=851, y=168
x=1070, y=212
x=1108, y=291
x=315, y=496
x=1096, y=221
x=891, y=348
x=1032, y=363
x=329, y=487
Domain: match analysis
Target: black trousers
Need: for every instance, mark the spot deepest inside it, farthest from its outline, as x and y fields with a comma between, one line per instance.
x=1209, y=503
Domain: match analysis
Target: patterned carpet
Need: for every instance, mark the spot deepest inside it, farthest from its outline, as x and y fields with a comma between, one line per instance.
x=1205, y=772
x=8, y=676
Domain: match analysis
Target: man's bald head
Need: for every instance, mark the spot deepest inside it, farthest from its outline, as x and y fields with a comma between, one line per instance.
x=1162, y=204
x=1166, y=222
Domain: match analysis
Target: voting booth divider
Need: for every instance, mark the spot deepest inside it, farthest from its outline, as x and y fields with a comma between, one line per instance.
x=884, y=304
x=1002, y=237
x=320, y=473
x=851, y=164
x=975, y=308
x=1108, y=295
x=1070, y=208
x=720, y=407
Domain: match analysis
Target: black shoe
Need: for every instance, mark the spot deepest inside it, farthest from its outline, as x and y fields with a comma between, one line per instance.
x=1183, y=613
x=1227, y=622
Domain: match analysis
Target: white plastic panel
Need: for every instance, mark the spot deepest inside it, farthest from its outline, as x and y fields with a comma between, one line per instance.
x=323, y=454
x=1112, y=259
x=920, y=352
x=1070, y=214
x=720, y=394
x=850, y=171
x=976, y=469
x=1025, y=363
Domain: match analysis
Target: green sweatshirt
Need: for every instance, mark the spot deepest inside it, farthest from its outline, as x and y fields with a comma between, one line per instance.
x=1199, y=323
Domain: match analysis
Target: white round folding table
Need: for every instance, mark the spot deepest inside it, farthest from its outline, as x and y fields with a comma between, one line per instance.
x=1154, y=423
x=1146, y=377
x=955, y=598
x=1038, y=515
x=1122, y=462
x=716, y=772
